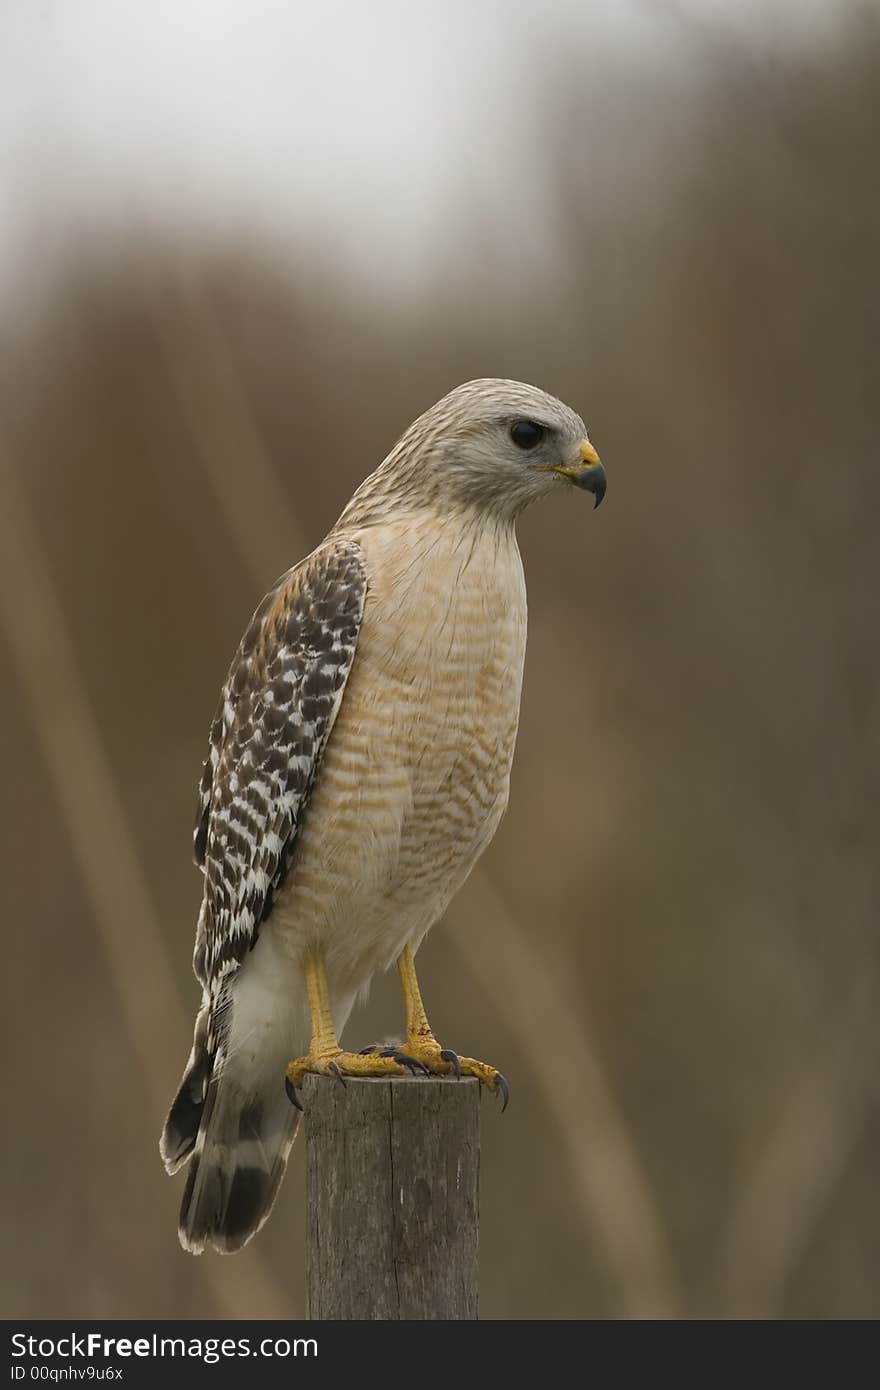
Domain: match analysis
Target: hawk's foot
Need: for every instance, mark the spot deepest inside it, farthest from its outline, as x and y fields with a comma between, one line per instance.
x=422, y=1052
x=339, y=1064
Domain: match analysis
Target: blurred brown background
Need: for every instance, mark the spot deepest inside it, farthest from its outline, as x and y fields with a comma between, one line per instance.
x=669, y=220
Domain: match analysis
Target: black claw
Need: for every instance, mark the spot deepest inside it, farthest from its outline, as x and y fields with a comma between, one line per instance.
x=366, y=1051
x=405, y=1060
x=447, y=1055
x=334, y=1070
x=501, y=1088
x=413, y=1063
x=292, y=1095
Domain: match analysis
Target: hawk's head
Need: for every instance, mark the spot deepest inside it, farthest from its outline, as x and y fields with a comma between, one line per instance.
x=500, y=445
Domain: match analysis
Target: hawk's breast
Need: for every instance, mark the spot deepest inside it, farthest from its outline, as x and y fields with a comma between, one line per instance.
x=415, y=776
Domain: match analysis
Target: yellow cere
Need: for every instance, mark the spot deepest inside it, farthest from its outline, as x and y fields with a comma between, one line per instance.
x=588, y=453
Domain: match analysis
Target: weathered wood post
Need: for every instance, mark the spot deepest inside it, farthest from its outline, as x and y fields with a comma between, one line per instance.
x=392, y=1193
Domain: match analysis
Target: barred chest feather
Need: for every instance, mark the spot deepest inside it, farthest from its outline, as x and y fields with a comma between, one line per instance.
x=415, y=777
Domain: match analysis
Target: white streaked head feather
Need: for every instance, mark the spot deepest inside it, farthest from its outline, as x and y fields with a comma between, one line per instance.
x=460, y=454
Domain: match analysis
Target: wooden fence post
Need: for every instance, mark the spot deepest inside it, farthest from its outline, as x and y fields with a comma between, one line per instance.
x=392, y=1194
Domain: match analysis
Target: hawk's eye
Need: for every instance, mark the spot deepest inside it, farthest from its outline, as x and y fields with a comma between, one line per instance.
x=526, y=434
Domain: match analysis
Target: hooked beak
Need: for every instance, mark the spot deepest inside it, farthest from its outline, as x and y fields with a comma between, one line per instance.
x=588, y=474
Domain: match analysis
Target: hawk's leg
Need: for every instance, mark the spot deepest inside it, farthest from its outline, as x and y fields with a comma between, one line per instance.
x=325, y=1056
x=421, y=1047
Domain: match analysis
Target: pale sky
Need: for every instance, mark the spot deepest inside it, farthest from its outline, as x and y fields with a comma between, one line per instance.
x=364, y=122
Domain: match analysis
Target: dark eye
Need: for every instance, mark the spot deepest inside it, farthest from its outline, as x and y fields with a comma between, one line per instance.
x=526, y=434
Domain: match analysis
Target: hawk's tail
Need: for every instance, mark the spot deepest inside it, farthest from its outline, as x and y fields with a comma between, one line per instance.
x=185, y=1116
x=234, y=1123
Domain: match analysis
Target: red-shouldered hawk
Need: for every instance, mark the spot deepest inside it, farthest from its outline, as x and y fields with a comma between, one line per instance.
x=358, y=766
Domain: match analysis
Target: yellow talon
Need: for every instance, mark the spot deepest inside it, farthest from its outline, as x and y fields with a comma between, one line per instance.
x=427, y=1054
x=421, y=1045
x=420, y=1052
x=325, y=1056
x=341, y=1064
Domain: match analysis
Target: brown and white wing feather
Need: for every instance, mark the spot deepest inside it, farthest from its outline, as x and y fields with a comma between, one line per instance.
x=231, y=1118
x=276, y=713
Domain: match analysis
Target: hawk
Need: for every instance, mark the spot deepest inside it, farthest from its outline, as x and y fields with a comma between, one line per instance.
x=358, y=765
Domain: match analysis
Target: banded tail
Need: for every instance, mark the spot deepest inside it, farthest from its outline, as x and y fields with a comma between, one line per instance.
x=232, y=1122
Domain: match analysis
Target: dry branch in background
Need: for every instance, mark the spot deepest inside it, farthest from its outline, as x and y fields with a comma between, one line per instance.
x=95, y=820
x=609, y=1187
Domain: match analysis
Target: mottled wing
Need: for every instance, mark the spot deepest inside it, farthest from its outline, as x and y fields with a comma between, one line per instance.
x=276, y=712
